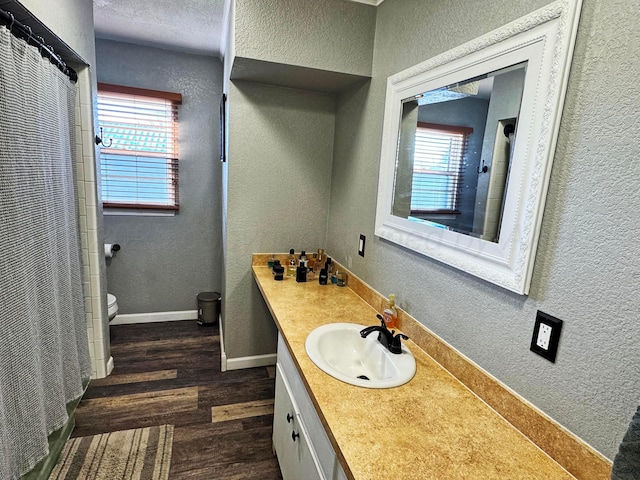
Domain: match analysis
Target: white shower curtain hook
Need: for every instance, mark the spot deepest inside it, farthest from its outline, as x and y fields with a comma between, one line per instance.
x=13, y=20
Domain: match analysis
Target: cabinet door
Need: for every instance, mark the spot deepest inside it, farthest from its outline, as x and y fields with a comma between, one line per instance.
x=308, y=463
x=296, y=456
x=284, y=419
x=316, y=434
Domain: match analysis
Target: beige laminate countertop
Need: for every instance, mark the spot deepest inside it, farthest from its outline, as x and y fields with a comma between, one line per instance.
x=430, y=428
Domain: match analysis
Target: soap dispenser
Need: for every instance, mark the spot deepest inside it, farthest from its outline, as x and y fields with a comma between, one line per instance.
x=390, y=314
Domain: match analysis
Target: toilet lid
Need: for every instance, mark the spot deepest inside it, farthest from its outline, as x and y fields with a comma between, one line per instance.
x=111, y=300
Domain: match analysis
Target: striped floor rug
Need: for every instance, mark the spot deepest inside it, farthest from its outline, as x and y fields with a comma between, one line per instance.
x=139, y=454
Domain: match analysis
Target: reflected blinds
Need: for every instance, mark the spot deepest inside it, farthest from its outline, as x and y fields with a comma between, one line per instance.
x=139, y=156
x=438, y=157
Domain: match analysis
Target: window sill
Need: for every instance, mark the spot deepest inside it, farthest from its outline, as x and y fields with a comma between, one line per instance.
x=138, y=212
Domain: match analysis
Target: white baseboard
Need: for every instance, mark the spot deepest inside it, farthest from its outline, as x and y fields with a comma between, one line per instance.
x=242, y=362
x=151, y=317
x=250, y=362
x=101, y=370
x=110, y=366
x=223, y=355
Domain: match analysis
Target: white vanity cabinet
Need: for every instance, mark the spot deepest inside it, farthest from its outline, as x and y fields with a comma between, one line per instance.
x=299, y=439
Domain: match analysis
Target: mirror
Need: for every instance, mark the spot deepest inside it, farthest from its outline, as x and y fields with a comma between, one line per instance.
x=468, y=143
x=454, y=151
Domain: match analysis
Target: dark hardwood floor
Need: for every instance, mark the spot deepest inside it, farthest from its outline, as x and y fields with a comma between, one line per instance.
x=169, y=373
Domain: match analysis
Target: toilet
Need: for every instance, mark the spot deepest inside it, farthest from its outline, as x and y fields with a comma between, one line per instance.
x=112, y=306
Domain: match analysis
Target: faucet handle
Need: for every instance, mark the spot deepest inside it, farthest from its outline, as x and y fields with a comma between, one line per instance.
x=384, y=324
x=396, y=343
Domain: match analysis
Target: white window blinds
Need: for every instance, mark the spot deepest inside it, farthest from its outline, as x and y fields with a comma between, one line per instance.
x=438, y=156
x=139, y=156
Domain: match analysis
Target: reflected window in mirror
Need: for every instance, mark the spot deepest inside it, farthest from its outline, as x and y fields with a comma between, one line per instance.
x=437, y=175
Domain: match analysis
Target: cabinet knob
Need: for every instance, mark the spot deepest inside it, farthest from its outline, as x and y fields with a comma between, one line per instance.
x=289, y=417
x=294, y=435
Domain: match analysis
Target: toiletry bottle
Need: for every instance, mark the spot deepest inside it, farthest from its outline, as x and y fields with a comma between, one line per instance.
x=291, y=264
x=320, y=259
x=390, y=314
x=322, y=277
x=303, y=258
x=276, y=263
x=329, y=267
x=271, y=260
x=311, y=268
x=278, y=271
x=301, y=273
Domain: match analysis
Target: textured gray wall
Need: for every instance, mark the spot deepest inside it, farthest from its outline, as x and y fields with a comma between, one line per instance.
x=329, y=35
x=586, y=269
x=278, y=177
x=166, y=261
x=279, y=181
x=71, y=20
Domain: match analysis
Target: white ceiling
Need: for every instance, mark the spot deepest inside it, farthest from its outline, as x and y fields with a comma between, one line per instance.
x=193, y=26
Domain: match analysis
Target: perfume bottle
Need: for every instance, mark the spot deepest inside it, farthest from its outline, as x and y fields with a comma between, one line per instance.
x=322, y=277
x=301, y=273
x=329, y=267
x=278, y=272
x=334, y=276
x=291, y=264
x=311, y=268
x=276, y=263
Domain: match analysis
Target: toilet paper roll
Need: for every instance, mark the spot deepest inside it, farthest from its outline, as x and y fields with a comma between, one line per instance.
x=110, y=249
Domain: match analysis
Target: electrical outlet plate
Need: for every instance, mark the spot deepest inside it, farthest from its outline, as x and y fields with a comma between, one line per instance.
x=546, y=336
x=361, y=245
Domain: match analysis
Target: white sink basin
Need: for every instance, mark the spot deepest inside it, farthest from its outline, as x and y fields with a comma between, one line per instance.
x=339, y=350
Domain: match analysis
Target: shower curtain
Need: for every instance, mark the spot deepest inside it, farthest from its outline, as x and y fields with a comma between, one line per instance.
x=43, y=338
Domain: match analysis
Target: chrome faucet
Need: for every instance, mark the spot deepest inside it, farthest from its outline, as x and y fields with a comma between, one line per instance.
x=385, y=336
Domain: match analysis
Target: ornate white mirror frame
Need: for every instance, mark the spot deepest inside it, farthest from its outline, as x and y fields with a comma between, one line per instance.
x=544, y=39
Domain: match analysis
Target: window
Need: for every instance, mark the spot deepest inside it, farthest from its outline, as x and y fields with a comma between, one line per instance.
x=139, y=154
x=439, y=151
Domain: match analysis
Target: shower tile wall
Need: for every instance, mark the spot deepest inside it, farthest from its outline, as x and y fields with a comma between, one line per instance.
x=91, y=230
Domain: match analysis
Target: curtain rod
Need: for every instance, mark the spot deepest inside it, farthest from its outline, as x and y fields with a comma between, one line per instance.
x=24, y=32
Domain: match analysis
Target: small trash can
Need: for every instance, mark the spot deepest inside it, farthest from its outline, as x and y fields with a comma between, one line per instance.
x=208, y=308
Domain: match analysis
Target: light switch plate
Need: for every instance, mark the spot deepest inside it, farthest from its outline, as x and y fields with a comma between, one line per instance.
x=546, y=336
x=361, y=245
